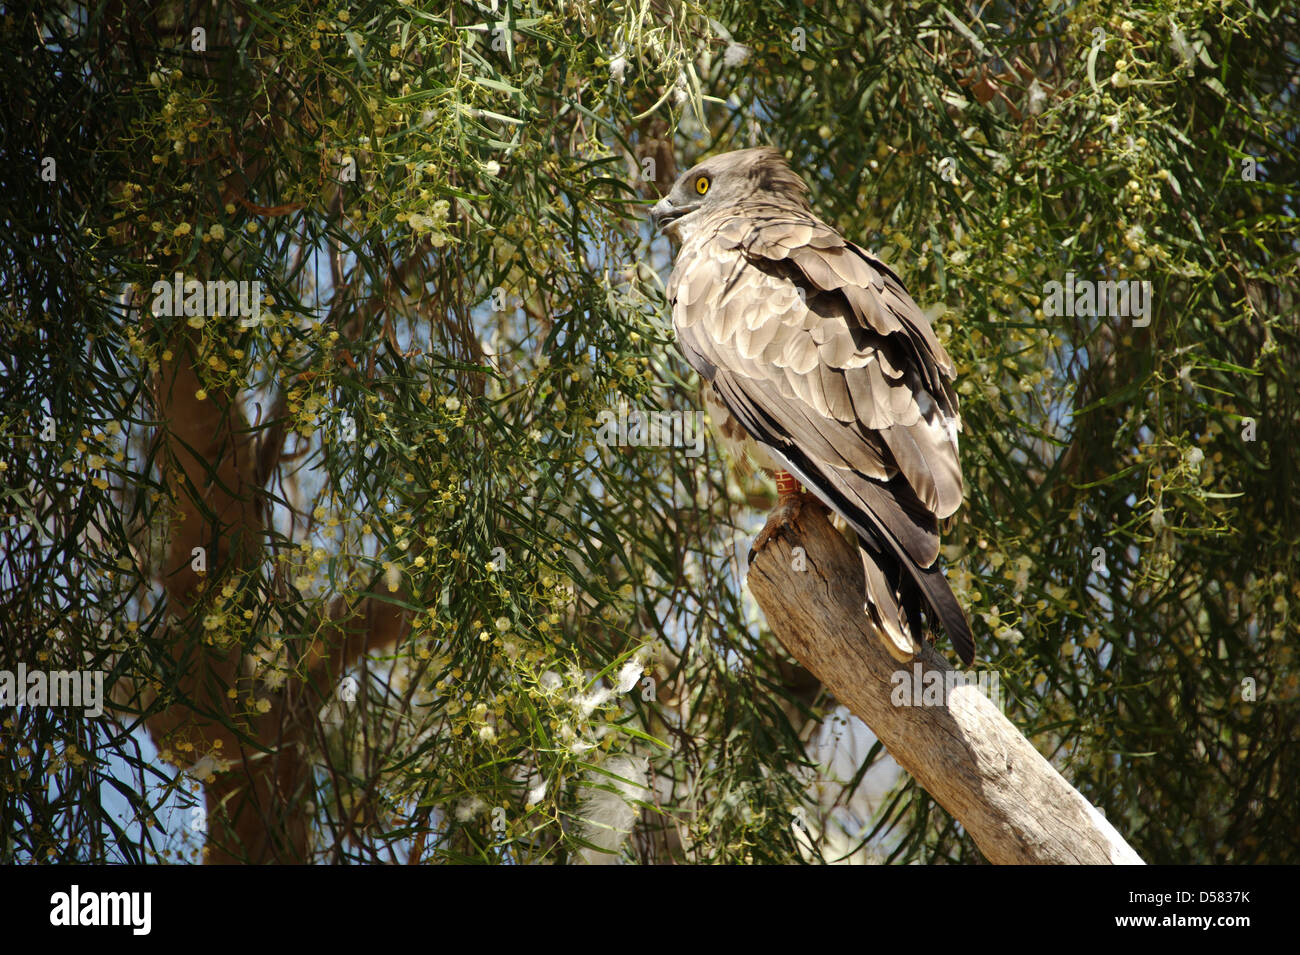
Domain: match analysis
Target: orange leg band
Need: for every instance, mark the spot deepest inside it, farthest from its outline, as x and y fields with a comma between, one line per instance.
x=786, y=484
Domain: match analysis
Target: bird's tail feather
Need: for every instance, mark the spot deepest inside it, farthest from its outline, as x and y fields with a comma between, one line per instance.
x=894, y=602
x=886, y=606
x=941, y=600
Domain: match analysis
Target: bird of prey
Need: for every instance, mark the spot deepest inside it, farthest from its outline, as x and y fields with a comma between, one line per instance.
x=820, y=357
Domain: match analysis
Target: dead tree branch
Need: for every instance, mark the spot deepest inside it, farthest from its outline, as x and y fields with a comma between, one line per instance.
x=964, y=752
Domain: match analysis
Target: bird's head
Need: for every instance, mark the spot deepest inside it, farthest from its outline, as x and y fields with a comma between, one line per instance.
x=726, y=180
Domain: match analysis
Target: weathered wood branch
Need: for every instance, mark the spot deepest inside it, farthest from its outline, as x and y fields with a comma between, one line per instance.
x=964, y=751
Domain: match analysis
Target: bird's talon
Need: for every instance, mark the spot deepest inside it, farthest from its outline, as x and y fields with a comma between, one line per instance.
x=785, y=516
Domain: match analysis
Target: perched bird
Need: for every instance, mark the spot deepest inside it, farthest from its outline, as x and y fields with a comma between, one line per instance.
x=818, y=354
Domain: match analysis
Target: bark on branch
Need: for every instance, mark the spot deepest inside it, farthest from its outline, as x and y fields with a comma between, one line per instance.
x=966, y=754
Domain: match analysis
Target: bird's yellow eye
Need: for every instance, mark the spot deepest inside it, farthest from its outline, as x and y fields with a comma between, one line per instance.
x=702, y=185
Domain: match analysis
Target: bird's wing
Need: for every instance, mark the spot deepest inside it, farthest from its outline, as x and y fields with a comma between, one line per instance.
x=820, y=353
x=827, y=345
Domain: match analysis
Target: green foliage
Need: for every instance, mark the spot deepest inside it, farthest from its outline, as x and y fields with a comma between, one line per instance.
x=444, y=208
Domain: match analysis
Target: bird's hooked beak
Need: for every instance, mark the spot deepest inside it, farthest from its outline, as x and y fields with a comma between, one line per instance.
x=663, y=214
